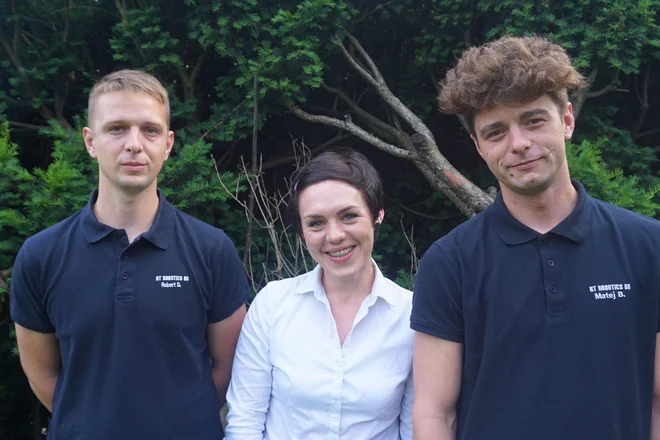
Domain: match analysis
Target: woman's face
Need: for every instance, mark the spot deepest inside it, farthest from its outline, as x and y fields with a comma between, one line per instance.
x=337, y=227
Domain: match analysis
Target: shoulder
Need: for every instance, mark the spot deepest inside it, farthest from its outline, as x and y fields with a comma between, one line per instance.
x=623, y=221
x=196, y=227
x=287, y=293
x=278, y=290
x=47, y=240
x=623, y=215
x=396, y=294
x=466, y=236
x=202, y=235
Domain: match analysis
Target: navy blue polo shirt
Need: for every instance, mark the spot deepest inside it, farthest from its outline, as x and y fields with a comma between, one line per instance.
x=558, y=329
x=131, y=322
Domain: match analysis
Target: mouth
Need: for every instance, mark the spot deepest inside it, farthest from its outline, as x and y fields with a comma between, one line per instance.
x=525, y=164
x=342, y=253
x=133, y=166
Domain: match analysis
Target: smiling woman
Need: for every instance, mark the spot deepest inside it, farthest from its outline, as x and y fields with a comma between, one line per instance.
x=328, y=354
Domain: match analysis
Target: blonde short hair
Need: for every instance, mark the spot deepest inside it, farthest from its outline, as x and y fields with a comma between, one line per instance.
x=132, y=81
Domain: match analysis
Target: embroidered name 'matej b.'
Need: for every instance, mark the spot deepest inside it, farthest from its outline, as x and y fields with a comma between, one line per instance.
x=171, y=280
x=610, y=291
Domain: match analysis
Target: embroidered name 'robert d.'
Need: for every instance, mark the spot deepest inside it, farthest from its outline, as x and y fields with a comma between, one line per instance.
x=168, y=281
x=610, y=291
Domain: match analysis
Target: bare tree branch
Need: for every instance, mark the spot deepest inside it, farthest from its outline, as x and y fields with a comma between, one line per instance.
x=420, y=147
x=647, y=133
x=378, y=82
x=581, y=96
x=611, y=87
x=198, y=65
x=354, y=63
x=27, y=126
x=372, y=120
x=374, y=69
x=643, y=101
x=356, y=130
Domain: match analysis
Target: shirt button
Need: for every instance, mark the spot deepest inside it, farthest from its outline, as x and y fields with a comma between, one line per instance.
x=124, y=256
x=124, y=276
x=551, y=263
x=544, y=239
x=553, y=289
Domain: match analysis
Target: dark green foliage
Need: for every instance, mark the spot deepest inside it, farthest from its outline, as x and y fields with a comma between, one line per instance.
x=610, y=184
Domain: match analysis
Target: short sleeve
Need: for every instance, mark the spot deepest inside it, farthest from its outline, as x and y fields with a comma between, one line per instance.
x=229, y=281
x=27, y=307
x=437, y=306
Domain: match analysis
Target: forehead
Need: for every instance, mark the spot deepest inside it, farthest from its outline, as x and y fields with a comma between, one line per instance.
x=329, y=196
x=128, y=106
x=503, y=113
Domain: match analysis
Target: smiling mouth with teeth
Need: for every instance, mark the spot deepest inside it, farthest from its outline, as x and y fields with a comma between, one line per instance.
x=341, y=253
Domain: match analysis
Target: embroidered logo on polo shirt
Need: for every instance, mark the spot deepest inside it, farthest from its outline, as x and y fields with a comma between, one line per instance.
x=168, y=281
x=610, y=291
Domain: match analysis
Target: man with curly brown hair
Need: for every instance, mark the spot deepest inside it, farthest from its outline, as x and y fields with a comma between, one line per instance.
x=538, y=318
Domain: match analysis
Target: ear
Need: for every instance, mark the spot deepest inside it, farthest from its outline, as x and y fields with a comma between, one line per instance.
x=88, y=137
x=569, y=121
x=380, y=216
x=170, y=144
x=476, y=144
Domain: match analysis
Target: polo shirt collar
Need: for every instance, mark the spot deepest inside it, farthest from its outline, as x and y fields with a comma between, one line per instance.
x=159, y=234
x=311, y=283
x=574, y=227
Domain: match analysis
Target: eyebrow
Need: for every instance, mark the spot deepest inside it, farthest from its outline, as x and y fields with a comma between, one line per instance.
x=534, y=112
x=490, y=127
x=341, y=211
x=524, y=115
x=122, y=121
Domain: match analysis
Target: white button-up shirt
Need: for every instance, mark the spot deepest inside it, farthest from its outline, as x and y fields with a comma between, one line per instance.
x=293, y=380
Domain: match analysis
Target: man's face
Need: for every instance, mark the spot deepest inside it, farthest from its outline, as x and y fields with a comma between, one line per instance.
x=130, y=140
x=525, y=146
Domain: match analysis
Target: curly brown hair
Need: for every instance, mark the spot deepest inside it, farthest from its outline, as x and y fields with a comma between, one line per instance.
x=508, y=71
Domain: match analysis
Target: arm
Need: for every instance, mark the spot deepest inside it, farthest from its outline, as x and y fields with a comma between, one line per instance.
x=437, y=367
x=40, y=359
x=248, y=397
x=405, y=418
x=655, y=412
x=222, y=338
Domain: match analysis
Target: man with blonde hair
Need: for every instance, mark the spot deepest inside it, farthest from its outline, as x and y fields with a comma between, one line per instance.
x=538, y=318
x=127, y=313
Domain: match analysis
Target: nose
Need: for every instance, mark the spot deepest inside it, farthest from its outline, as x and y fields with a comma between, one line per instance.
x=133, y=140
x=519, y=139
x=335, y=233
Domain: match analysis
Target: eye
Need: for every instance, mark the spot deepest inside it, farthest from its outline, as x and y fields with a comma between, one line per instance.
x=350, y=216
x=315, y=224
x=535, y=121
x=494, y=134
x=151, y=130
x=116, y=129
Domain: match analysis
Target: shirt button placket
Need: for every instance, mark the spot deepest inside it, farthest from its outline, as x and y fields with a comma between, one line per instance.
x=555, y=299
x=125, y=270
x=335, y=416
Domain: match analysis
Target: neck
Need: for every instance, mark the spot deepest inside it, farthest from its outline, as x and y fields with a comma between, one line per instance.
x=351, y=288
x=545, y=210
x=134, y=213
